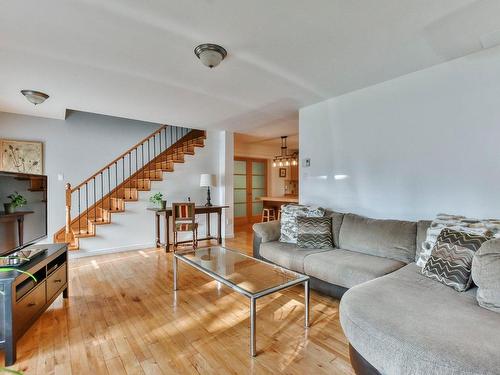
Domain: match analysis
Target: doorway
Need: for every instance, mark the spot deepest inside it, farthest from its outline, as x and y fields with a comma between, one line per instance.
x=250, y=183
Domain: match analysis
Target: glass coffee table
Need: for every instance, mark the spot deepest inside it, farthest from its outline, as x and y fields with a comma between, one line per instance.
x=246, y=275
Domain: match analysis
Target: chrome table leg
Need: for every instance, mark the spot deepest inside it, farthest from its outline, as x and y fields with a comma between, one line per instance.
x=175, y=272
x=253, y=352
x=306, y=296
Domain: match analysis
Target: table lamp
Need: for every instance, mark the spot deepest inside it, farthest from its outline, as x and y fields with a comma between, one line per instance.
x=207, y=180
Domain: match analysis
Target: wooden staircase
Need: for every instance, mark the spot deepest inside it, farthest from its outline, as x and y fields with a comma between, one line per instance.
x=92, y=202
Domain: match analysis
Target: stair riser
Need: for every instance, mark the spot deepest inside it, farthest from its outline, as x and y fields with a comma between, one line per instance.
x=115, y=203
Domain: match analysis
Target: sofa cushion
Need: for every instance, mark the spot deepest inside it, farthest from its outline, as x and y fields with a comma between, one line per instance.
x=406, y=323
x=486, y=275
x=337, y=219
x=286, y=254
x=422, y=226
x=451, y=258
x=348, y=268
x=393, y=239
x=314, y=232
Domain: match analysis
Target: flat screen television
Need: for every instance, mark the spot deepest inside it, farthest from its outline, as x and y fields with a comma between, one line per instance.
x=28, y=223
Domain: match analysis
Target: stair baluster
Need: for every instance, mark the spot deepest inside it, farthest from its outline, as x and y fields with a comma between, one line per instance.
x=87, y=206
x=102, y=200
x=166, y=146
x=79, y=213
x=68, y=213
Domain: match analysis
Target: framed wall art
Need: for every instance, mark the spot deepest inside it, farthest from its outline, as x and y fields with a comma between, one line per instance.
x=21, y=156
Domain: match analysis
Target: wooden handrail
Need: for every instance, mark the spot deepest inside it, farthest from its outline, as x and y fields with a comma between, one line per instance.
x=120, y=157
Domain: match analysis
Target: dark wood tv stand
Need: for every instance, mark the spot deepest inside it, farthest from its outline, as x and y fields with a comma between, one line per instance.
x=22, y=300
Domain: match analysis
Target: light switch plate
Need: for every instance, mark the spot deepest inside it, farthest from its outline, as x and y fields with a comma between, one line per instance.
x=306, y=162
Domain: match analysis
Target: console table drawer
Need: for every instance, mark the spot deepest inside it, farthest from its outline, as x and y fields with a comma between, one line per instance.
x=30, y=304
x=55, y=281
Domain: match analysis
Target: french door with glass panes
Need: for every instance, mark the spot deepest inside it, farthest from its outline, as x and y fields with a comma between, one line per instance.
x=250, y=183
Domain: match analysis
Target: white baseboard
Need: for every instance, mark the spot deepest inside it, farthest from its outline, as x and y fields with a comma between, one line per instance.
x=88, y=253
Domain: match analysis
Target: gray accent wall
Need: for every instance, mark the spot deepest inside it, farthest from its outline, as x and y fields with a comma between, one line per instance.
x=83, y=143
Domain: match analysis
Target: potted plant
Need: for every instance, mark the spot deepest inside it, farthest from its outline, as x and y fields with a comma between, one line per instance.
x=158, y=200
x=16, y=200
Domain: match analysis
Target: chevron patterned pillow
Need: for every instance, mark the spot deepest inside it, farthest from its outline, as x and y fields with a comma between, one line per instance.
x=314, y=232
x=451, y=258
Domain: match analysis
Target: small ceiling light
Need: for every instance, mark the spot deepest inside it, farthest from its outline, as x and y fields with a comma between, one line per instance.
x=35, y=97
x=287, y=163
x=274, y=164
x=210, y=54
x=281, y=163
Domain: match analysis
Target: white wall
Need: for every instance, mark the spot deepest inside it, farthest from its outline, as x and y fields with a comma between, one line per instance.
x=412, y=147
x=83, y=143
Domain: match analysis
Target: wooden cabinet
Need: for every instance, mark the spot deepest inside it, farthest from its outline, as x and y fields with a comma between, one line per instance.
x=24, y=298
x=56, y=281
x=29, y=305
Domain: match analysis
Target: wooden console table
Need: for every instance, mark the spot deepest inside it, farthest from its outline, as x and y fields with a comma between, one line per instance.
x=19, y=217
x=199, y=210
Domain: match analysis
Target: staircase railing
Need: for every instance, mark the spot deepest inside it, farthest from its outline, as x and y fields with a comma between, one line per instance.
x=100, y=191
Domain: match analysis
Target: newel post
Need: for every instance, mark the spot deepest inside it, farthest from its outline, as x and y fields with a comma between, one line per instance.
x=68, y=235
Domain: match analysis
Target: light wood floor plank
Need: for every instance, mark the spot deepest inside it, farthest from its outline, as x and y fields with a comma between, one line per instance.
x=123, y=317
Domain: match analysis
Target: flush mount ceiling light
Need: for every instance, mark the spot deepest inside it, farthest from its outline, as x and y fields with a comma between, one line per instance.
x=210, y=54
x=35, y=97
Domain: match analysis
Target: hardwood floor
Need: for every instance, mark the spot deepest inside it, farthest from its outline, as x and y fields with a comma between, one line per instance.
x=122, y=317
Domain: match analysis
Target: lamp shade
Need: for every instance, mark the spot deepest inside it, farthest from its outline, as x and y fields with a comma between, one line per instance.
x=207, y=180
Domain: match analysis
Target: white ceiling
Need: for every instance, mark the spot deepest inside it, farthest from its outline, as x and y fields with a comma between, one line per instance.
x=135, y=59
x=250, y=140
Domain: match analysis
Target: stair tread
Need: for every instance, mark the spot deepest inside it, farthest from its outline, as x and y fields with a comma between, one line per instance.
x=128, y=191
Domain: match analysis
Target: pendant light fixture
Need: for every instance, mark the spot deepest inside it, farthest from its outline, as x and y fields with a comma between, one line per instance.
x=284, y=159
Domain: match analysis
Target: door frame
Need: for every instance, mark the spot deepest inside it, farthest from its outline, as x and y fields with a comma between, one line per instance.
x=250, y=218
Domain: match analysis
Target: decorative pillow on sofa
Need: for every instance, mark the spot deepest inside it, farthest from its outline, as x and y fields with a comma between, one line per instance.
x=486, y=275
x=487, y=227
x=289, y=213
x=451, y=258
x=314, y=232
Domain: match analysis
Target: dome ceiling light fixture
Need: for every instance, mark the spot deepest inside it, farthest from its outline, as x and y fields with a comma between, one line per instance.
x=35, y=97
x=210, y=54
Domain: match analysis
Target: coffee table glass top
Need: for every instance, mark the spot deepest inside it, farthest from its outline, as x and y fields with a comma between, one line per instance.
x=247, y=274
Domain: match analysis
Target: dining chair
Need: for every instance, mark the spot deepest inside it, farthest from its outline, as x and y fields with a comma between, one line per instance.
x=184, y=221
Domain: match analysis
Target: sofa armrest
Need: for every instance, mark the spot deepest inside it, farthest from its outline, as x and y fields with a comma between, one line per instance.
x=269, y=231
x=265, y=232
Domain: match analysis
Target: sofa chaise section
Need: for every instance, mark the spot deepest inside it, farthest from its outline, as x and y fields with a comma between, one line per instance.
x=406, y=323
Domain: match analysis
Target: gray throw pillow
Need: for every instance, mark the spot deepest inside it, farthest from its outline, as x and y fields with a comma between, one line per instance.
x=314, y=232
x=486, y=275
x=288, y=219
x=451, y=258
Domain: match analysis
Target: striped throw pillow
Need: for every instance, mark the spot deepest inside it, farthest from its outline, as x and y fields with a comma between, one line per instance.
x=451, y=258
x=314, y=232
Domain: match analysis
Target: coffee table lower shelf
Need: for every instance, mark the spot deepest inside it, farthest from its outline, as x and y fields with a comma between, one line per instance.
x=253, y=297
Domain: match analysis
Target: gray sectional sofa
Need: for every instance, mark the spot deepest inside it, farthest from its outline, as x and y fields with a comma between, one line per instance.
x=396, y=320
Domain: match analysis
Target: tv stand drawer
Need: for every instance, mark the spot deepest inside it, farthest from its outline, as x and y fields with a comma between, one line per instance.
x=30, y=305
x=56, y=281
